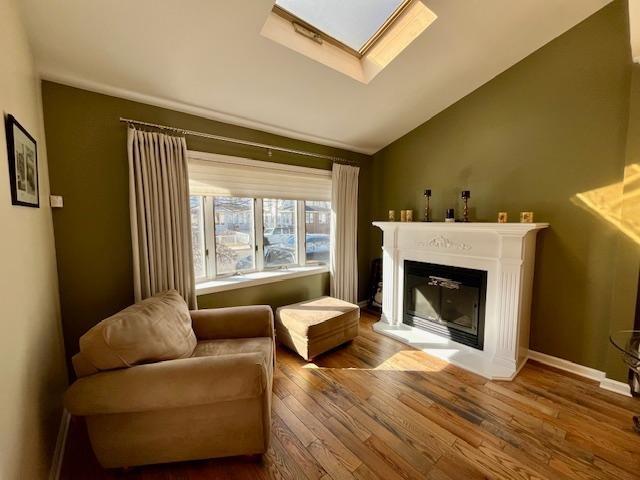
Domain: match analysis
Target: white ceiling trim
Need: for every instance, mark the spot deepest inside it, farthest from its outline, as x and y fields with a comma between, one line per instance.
x=97, y=87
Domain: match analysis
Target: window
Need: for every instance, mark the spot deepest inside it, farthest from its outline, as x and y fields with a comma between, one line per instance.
x=197, y=237
x=234, y=231
x=250, y=216
x=253, y=234
x=354, y=23
x=280, y=232
x=317, y=216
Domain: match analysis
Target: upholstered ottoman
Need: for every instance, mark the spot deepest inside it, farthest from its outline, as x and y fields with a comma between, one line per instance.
x=314, y=326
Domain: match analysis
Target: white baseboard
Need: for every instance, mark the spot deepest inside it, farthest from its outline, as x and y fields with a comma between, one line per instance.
x=567, y=366
x=577, y=369
x=616, y=387
x=363, y=303
x=61, y=441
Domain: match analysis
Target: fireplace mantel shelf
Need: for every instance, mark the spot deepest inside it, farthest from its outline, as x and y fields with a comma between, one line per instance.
x=503, y=228
x=506, y=251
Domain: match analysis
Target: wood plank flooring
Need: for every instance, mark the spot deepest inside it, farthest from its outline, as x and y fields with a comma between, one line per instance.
x=377, y=409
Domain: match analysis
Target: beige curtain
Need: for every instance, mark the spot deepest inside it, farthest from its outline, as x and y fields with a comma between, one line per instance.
x=344, y=220
x=160, y=215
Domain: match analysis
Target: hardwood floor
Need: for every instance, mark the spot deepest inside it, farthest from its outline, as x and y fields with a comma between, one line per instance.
x=377, y=409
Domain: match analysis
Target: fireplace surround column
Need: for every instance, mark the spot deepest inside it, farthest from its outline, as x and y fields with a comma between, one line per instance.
x=389, y=277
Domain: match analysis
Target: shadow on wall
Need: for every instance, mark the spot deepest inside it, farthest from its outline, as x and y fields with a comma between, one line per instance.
x=617, y=203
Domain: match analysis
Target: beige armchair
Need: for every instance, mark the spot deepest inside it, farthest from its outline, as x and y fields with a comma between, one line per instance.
x=214, y=403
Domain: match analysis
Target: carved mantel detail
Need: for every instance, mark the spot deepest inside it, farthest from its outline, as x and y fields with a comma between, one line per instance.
x=440, y=241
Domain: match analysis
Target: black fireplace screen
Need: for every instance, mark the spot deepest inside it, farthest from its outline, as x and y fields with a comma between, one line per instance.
x=449, y=301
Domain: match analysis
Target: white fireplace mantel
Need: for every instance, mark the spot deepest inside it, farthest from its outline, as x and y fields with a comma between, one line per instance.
x=506, y=251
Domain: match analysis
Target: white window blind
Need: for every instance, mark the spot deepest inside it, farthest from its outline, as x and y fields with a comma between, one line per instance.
x=222, y=175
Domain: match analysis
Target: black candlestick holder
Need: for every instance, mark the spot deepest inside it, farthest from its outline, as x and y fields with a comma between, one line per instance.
x=466, y=195
x=427, y=207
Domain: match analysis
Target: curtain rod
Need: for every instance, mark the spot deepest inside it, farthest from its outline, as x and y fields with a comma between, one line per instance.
x=237, y=141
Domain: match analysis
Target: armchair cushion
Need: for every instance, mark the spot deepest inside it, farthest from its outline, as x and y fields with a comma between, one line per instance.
x=262, y=345
x=156, y=329
x=233, y=322
x=170, y=384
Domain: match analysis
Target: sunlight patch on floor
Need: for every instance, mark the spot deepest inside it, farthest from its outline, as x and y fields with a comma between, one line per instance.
x=404, y=361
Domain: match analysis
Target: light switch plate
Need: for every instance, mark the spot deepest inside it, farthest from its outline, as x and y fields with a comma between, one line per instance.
x=56, y=201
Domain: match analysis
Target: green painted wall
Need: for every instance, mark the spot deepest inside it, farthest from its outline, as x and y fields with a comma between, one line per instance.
x=274, y=294
x=549, y=128
x=88, y=167
x=627, y=263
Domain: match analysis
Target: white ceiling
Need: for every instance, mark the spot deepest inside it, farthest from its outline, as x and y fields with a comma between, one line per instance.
x=207, y=57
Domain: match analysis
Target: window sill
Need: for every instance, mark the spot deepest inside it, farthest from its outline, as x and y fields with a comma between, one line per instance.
x=257, y=278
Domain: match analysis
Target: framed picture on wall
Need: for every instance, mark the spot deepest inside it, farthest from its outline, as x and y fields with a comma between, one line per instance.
x=23, y=164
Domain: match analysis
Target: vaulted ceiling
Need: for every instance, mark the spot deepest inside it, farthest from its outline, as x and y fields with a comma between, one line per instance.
x=208, y=57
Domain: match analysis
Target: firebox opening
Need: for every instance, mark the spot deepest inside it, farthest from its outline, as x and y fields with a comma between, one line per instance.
x=448, y=301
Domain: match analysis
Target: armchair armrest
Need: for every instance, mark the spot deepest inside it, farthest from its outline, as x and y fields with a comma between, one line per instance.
x=233, y=322
x=169, y=384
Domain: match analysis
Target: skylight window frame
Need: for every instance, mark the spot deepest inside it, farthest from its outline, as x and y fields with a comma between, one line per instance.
x=294, y=19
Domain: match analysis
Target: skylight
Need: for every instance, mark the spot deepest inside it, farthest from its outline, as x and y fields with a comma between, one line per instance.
x=354, y=23
x=359, y=38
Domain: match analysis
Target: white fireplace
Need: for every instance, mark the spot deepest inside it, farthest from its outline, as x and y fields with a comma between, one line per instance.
x=506, y=251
